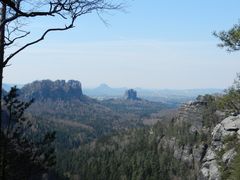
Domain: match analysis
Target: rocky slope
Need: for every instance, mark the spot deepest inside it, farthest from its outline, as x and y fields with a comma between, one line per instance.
x=192, y=112
x=209, y=157
x=221, y=153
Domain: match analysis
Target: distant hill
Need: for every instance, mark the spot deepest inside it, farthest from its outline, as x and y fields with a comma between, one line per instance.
x=103, y=90
x=159, y=95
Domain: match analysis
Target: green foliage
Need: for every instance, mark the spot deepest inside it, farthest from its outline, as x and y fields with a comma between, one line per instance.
x=106, y=140
x=232, y=171
x=79, y=121
x=235, y=168
x=135, y=154
x=23, y=153
x=230, y=102
x=230, y=39
x=209, y=114
x=142, y=108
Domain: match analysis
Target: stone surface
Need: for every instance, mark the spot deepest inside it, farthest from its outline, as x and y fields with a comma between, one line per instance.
x=229, y=124
x=210, y=171
x=210, y=155
x=226, y=128
x=204, y=157
x=192, y=112
x=229, y=156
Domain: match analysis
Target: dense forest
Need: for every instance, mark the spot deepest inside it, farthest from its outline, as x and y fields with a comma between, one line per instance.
x=108, y=140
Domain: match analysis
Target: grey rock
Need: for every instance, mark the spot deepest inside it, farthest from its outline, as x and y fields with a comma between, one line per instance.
x=214, y=173
x=210, y=171
x=210, y=168
x=204, y=173
x=210, y=155
x=187, y=156
x=229, y=124
x=229, y=156
x=220, y=132
x=238, y=132
x=217, y=132
x=192, y=112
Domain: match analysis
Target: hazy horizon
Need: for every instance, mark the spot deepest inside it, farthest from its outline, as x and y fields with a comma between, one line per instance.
x=117, y=87
x=152, y=45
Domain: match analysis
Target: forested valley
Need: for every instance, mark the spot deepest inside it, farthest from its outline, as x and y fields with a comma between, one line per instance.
x=110, y=139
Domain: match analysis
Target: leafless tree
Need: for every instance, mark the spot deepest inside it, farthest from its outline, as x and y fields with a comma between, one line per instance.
x=15, y=13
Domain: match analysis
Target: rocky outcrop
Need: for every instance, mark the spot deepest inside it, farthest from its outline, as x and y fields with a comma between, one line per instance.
x=131, y=94
x=218, y=152
x=209, y=169
x=205, y=158
x=54, y=90
x=191, y=154
x=228, y=156
x=192, y=112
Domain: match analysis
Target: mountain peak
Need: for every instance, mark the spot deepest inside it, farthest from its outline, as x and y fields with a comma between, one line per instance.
x=103, y=86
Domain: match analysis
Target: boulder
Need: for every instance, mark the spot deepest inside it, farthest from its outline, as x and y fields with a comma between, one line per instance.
x=210, y=171
x=229, y=123
x=210, y=155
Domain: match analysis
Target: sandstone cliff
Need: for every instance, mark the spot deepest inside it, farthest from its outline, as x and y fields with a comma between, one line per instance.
x=54, y=90
x=209, y=156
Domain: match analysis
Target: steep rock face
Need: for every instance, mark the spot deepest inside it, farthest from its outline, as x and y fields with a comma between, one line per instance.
x=54, y=90
x=189, y=153
x=192, y=112
x=209, y=169
x=219, y=152
x=131, y=94
x=204, y=158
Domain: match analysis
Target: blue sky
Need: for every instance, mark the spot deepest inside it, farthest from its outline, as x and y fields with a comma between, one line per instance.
x=154, y=44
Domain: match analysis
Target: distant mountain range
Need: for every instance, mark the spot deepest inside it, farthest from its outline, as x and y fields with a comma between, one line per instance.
x=103, y=91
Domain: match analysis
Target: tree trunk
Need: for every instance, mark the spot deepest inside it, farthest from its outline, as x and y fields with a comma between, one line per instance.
x=2, y=36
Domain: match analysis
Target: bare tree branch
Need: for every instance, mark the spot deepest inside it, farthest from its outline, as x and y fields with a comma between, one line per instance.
x=67, y=9
x=38, y=40
x=10, y=42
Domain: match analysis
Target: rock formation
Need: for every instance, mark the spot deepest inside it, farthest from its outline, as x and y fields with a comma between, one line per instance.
x=131, y=94
x=205, y=158
x=192, y=112
x=229, y=128
x=53, y=90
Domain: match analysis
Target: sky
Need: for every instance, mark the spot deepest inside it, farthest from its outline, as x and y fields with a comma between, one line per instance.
x=150, y=44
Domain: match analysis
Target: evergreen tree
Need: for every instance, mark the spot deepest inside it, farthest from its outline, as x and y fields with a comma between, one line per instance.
x=23, y=155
